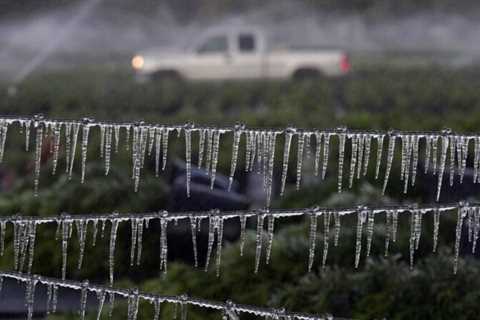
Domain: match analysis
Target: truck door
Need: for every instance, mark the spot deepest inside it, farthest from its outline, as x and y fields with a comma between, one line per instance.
x=248, y=56
x=212, y=59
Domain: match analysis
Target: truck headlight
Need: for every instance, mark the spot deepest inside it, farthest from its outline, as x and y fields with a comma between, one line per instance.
x=138, y=62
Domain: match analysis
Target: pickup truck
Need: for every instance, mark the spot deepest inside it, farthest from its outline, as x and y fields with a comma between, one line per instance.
x=236, y=54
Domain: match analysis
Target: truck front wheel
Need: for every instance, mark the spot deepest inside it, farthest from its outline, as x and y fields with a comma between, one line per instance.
x=307, y=74
x=166, y=76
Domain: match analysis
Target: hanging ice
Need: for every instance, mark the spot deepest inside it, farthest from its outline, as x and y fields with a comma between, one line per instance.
x=259, y=240
x=300, y=149
x=82, y=236
x=341, y=155
x=326, y=148
x=313, y=238
x=65, y=227
x=443, y=159
x=56, y=145
x=380, y=138
x=219, y=245
x=237, y=134
x=30, y=296
x=101, y=302
x=243, y=232
x=83, y=299
x=370, y=226
x=326, y=236
x=289, y=133
x=163, y=243
x=76, y=129
x=361, y=217
x=193, y=226
x=458, y=234
x=188, y=155
x=391, y=150
x=38, y=151
x=270, y=232
x=86, y=129
x=112, y=244
x=353, y=161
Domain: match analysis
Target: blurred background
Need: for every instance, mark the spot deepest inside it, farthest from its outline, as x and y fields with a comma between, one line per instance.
x=364, y=64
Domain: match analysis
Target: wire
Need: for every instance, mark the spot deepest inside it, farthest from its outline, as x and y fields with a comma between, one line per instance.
x=228, y=307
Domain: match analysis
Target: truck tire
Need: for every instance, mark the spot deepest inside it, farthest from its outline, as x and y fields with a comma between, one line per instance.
x=307, y=74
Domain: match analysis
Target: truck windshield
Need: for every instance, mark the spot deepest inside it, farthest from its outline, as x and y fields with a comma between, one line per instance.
x=214, y=44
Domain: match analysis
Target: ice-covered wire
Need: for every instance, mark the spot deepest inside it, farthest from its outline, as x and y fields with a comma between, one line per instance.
x=229, y=308
x=445, y=151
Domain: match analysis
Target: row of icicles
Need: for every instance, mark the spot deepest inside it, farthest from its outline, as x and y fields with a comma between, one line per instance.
x=229, y=310
x=24, y=232
x=147, y=140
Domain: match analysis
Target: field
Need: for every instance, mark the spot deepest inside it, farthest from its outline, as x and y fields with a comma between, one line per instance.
x=419, y=98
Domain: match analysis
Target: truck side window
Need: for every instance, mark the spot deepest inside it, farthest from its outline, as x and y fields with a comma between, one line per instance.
x=214, y=44
x=246, y=43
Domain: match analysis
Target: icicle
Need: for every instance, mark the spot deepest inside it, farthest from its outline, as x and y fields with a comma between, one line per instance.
x=219, y=245
x=103, y=128
x=406, y=160
x=391, y=151
x=133, y=300
x=165, y=134
x=116, y=131
x=108, y=149
x=66, y=225
x=341, y=156
x=270, y=231
x=127, y=136
x=370, y=227
x=368, y=147
x=434, y=154
x=336, y=217
x=380, y=138
x=326, y=236
x=133, y=240
x=237, y=134
x=95, y=231
x=54, y=298
x=38, y=154
x=68, y=139
x=394, y=225
x=388, y=230
x=360, y=154
x=428, y=151
x=140, y=223
x=436, y=225
x=300, y=149
x=212, y=225
x=156, y=308
x=415, y=225
x=464, y=154
x=111, y=301
x=353, y=161
x=158, y=143
x=326, y=151
x=259, y=240
x=243, y=233
x=318, y=149
x=476, y=229
x=193, y=226
x=151, y=139
x=113, y=239
x=418, y=228
x=163, y=243
x=49, y=298
x=188, y=155
x=215, y=150
x=56, y=145
x=289, y=133
x=76, y=129
x=201, y=146
x=3, y=229
x=313, y=238
x=361, y=216
x=86, y=129
x=83, y=299
x=31, y=244
x=415, y=144
x=30, y=296
x=101, y=302
x=271, y=161
x=443, y=158
x=452, y=144
x=27, y=125
x=82, y=236
x=3, y=138
x=458, y=234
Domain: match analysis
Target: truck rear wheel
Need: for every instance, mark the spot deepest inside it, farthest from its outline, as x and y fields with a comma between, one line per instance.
x=166, y=76
x=307, y=74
